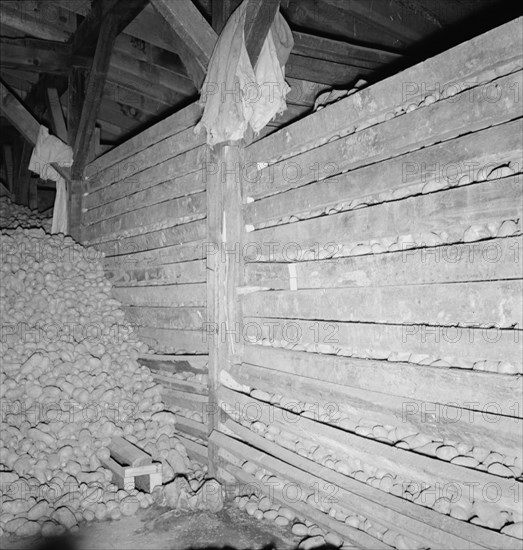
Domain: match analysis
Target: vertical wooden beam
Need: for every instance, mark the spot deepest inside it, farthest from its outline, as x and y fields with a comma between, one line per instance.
x=94, y=93
x=221, y=11
x=258, y=20
x=224, y=268
x=75, y=100
x=8, y=160
x=57, y=116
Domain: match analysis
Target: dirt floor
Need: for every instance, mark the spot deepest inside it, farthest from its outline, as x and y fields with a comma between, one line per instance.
x=159, y=529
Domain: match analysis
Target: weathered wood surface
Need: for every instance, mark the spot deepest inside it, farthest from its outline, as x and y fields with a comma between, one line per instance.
x=162, y=296
x=464, y=389
x=192, y=427
x=441, y=121
x=179, y=186
x=174, y=363
x=173, y=341
x=141, y=275
x=487, y=260
x=177, y=122
x=196, y=451
x=231, y=457
x=186, y=386
x=462, y=425
x=184, y=169
x=424, y=525
x=495, y=304
x=408, y=465
x=224, y=232
x=155, y=248
x=103, y=31
x=476, y=61
x=190, y=318
x=472, y=156
x=183, y=209
x=191, y=401
x=447, y=214
x=456, y=346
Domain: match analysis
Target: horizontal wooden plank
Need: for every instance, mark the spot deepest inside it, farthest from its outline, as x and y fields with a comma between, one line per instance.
x=180, y=172
x=189, y=318
x=170, y=126
x=341, y=52
x=152, y=155
x=195, y=451
x=155, y=248
x=304, y=92
x=173, y=341
x=468, y=158
x=465, y=389
x=185, y=386
x=145, y=274
x=162, y=296
x=460, y=425
x=442, y=218
x=461, y=347
x=421, y=524
x=320, y=70
x=176, y=400
x=143, y=220
x=168, y=190
x=278, y=495
x=478, y=60
x=408, y=465
x=192, y=427
x=488, y=260
x=490, y=304
x=174, y=363
x=441, y=121
x=179, y=243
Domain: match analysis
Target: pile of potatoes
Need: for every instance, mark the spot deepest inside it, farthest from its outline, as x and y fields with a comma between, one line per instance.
x=69, y=382
x=13, y=215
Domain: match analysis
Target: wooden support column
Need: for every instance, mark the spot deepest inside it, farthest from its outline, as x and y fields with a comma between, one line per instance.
x=258, y=20
x=224, y=267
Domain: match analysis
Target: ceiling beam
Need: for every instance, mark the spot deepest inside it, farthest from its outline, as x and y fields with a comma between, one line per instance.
x=20, y=117
x=123, y=12
x=94, y=92
x=196, y=37
x=39, y=55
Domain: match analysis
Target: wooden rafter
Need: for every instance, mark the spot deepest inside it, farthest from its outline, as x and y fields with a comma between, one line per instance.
x=93, y=94
x=196, y=38
x=39, y=55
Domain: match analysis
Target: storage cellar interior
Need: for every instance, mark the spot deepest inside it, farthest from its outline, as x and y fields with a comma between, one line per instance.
x=261, y=274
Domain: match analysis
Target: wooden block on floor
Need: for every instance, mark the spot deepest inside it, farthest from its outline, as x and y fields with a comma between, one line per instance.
x=132, y=468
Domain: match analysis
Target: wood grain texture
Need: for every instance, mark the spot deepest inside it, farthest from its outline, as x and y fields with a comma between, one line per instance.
x=481, y=59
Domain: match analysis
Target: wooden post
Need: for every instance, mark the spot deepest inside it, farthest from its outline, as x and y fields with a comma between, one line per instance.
x=224, y=267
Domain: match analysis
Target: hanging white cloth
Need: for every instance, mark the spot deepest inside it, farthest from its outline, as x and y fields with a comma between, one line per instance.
x=236, y=95
x=49, y=149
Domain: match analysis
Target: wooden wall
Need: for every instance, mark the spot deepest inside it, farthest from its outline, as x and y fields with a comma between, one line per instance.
x=145, y=209
x=339, y=304
x=379, y=295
